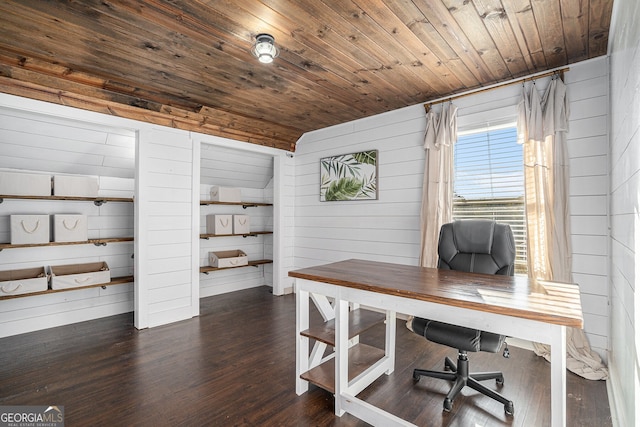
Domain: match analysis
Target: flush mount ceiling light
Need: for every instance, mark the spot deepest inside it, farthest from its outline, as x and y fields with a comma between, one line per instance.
x=264, y=49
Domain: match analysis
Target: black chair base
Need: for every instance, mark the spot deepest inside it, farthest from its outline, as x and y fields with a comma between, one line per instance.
x=460, y=376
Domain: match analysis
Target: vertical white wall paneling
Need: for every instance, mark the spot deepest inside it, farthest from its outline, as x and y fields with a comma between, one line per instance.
x=388, y=229
x=280, y=165
x=624, y=194
x=141, y=209
x=164, y=222
x=195, y=227
x=287, y=215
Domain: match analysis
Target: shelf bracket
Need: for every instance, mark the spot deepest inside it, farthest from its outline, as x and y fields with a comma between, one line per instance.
x=99, y=202
x=100, y=243
x=103, y=287
x=244, y=236
x=205, y=272
x=1, y=200
x=248, y=206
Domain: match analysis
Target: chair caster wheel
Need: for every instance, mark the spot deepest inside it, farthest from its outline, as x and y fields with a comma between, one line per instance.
x=508, y=408
x=448, y=404
x=500, y=381
x=416, y=377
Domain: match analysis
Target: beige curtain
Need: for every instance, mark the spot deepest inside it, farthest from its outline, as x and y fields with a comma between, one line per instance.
x=437, y=186
x=542, y=127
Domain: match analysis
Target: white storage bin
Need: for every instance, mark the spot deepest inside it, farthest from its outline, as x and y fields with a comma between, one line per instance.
x=219, y=224
x=75, y=186
x=24, y=184
x=241, y=224
x=226, y=259
x=18, y=282
x=225, y=194
x=77, y=275
x=29, y=229
x=70, y=228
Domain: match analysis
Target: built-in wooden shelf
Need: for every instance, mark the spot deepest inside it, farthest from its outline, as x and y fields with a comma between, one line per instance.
x=361, y=357
x=360, y=320
x=243, y=204
x=251, y=234
x=97, y=242
x=114, y=281
x=255, y=263
x=96, y=200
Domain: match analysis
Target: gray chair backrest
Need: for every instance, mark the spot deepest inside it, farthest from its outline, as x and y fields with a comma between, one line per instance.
x=477, y=246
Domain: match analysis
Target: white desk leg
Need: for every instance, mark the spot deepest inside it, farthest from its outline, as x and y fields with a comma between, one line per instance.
x=302, y=343
x=390, y=341
x=559, y=376
x=341, y=353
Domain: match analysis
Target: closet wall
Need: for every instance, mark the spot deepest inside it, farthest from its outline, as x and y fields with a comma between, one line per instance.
x=162, y=173
x=252, y=173
x=40, y=143
x=388, y=229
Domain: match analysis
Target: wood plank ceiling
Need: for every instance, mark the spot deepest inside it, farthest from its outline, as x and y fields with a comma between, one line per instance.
x=186, y=63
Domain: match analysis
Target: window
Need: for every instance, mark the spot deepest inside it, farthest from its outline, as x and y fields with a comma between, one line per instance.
x=489, y=182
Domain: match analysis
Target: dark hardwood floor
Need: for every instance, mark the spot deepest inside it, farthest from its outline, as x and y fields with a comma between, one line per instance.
x=235, y=366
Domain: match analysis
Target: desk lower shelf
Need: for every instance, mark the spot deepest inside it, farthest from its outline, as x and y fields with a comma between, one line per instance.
x=360, y=320
x=361, y=357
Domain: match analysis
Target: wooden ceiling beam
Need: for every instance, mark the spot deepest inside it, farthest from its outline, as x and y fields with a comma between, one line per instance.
x=210, y=124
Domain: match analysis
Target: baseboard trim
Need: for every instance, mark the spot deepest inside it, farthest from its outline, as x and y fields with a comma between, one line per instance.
x=617, y=417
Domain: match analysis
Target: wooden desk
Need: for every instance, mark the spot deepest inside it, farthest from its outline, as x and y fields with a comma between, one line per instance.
x=519, y=307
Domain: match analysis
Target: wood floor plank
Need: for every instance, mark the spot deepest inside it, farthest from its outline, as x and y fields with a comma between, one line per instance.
x=234, y=365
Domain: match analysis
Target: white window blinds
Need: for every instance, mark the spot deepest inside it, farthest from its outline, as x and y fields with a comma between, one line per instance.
x=489, y=181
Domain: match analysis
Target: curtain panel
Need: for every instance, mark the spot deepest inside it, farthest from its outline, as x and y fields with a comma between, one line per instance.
x=437, y=186
x=542, y=127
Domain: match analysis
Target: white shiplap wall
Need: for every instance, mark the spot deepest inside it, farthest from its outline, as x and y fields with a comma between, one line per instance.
x=587, y=142
x=43, y=142
x=109, y=220
x=231, y=167
x=388, y=229
x=624, y=194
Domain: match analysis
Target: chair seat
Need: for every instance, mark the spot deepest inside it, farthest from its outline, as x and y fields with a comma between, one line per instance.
x=459, y=337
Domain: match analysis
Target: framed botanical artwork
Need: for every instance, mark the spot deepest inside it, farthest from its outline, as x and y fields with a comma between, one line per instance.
x=351, y=176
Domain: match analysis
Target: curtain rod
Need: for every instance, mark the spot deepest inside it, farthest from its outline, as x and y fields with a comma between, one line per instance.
x=532, y=77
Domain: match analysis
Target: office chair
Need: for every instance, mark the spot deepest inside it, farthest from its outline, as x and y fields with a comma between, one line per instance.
x=478, y=246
